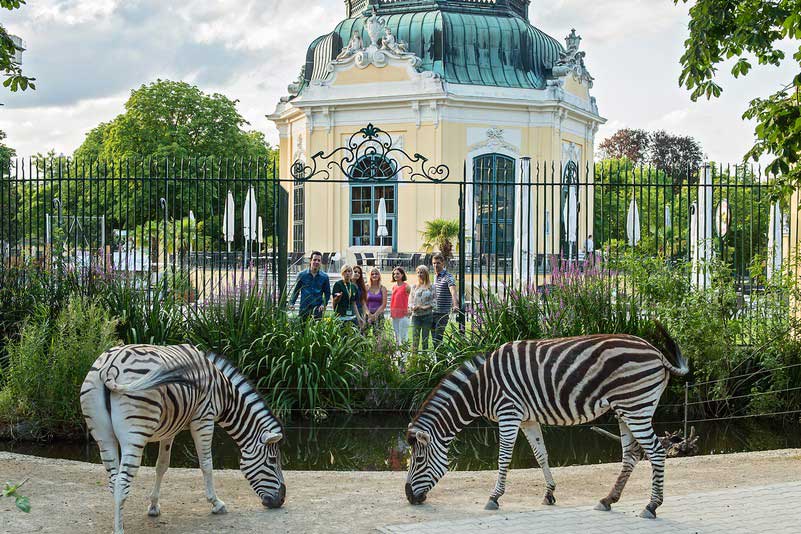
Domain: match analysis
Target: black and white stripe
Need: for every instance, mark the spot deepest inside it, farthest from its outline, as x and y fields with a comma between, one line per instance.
x=136, y=394
x=565, y=381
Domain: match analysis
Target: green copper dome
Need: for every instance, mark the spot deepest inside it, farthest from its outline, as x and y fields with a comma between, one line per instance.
x=475, y=42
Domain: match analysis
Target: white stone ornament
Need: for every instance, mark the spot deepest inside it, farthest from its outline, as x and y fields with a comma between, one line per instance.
x=383, y=48
x=572, y=60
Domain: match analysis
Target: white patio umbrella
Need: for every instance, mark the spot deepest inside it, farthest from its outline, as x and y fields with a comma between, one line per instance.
x=382, y=231
x=228, y=220
x=191, y=230
x=249, y=221
x=668, y=218
x=701, y=231
x=260, y=233
x=523, y=265
x=633, y=224
x=722, y=218
x=570, y=218
x=775, y=252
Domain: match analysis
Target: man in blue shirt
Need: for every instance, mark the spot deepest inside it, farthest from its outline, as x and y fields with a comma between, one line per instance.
x=314, y=288
x=446, y=298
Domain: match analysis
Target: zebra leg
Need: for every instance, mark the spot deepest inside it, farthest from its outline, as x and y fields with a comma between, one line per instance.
x=631, y=454
x=507, y=430
x=162, y=464
x=130, y=461
x=533, y=432
x=644, y=433
x=98, y=421
x=202, y=431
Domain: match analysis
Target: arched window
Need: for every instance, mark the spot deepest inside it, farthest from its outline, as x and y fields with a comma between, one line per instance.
x=372, y=178
x=494, y=204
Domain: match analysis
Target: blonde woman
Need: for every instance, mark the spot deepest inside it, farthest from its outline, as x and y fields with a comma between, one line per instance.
x=421, y=305
x=345, y=298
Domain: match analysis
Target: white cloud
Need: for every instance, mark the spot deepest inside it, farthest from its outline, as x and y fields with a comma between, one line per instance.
x=88, y=54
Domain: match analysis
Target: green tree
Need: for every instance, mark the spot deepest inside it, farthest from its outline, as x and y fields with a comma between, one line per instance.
x=6, y=152
x=175, y=120
x=9, y=59
x=747, y=31
x=440, y=234
x=93, y=144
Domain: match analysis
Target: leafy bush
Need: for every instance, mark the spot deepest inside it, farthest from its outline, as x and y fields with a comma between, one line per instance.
x=231, y=325
x=303, y=366
x=22, y=288
x=50, y=360
x=141, y=318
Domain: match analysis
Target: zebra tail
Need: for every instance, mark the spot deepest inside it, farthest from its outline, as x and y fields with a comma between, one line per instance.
x=155, y=378
x=674, y=361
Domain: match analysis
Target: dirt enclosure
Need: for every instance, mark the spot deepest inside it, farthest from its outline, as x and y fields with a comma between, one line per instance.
x=71, y=497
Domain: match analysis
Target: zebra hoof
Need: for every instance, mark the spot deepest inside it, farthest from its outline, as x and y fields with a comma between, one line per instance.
x=154, y=510
x=219, y=508
x=492, y=504
x=647, y=514
x=549, y=500
x=603, y=507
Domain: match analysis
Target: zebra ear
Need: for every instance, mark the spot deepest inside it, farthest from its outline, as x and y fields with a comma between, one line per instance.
x=423, y=437
x=270, y=437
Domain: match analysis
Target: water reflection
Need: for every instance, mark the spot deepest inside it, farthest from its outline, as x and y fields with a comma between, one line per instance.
x=359, y=443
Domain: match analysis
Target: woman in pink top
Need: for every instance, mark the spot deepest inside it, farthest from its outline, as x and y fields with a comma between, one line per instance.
x=399, y=305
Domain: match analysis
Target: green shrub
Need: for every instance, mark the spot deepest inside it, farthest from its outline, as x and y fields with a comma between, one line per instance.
x=50, y=361
x=141, y=318
x=21, y=290
x=230, y=326
x=302, y=367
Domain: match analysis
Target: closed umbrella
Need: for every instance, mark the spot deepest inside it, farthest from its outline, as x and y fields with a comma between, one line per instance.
x=228, y=220
x=722, y=218
x=570, y=217
x=775, y=253
x=260, y=233
x=668, y=218
x=382, y=220
x=633, y=224
x=249, y=221
x=191, y=231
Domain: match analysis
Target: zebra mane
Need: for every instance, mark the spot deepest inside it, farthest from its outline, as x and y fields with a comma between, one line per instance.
x=241, y=383
x=458, y=376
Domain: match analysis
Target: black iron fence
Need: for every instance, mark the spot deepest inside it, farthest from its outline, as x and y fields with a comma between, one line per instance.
x=202, y=227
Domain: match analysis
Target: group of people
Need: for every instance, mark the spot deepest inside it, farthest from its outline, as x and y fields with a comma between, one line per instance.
x=426, y=305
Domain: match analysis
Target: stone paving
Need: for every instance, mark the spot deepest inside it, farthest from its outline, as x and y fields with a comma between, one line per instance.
x=755, y=510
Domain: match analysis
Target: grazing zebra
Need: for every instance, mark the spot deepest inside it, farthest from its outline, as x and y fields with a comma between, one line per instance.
x=568, y=381
x=135, y=394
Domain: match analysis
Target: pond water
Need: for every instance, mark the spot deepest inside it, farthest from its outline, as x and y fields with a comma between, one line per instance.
x=376, y=444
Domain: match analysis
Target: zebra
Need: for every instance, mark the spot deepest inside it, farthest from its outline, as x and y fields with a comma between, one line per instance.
x=566, y=381
x=135, y=394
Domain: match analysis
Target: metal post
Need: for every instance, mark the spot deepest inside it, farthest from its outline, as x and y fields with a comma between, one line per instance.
x=686, y=405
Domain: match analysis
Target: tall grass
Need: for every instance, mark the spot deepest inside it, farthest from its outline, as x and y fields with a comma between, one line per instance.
x=48, y=363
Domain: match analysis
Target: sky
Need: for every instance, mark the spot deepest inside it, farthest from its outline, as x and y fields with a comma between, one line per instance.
x=87, y=56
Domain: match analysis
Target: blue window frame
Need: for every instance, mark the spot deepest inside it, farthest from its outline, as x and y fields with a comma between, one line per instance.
x=371, y=179
x=494, y=204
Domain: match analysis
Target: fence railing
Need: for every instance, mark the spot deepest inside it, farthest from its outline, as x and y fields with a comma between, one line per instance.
x=204, y=226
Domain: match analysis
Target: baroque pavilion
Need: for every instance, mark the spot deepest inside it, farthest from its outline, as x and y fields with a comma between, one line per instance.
x=470, y=84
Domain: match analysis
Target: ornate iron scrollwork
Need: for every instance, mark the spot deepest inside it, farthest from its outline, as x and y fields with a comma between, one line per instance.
x=369, y=156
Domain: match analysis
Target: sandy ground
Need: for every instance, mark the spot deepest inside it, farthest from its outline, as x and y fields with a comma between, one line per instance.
x=70, y=497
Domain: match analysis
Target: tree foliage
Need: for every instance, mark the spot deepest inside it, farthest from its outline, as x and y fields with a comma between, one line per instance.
x=9, y=65
x=6, y=152
x=744, y=31
x=681, y=155
x=441, y=234
x=628, y=143
x=167, y=119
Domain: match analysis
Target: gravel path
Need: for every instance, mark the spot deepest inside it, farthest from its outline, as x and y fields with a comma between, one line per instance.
x=70, y=497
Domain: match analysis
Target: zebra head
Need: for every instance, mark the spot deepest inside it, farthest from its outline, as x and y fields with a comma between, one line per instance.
x=428, y=464
x=261, y=465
